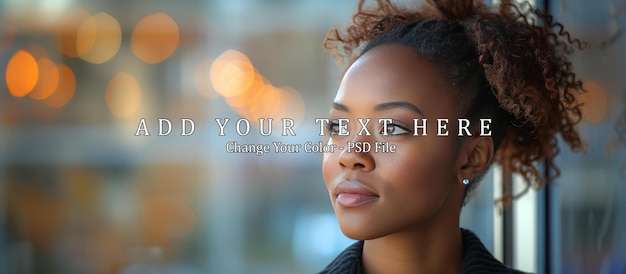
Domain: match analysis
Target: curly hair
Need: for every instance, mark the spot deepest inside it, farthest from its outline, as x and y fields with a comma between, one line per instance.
x=506, y=67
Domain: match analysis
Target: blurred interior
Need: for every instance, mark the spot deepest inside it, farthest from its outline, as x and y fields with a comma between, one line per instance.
x=81, y=193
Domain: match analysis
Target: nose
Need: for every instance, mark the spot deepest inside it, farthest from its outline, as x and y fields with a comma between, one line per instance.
x=356, y=160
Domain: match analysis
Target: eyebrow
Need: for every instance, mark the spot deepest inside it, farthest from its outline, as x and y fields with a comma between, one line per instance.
x=398, y=104
x=340, y=107
x=384, y=106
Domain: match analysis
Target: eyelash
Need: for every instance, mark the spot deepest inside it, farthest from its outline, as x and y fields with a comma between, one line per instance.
x=332, y=129
x=389, y=126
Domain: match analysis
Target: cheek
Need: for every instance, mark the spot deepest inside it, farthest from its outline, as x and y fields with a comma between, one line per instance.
x=424, y=171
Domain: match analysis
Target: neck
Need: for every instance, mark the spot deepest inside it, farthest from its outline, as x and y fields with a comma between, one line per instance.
x=435, y=250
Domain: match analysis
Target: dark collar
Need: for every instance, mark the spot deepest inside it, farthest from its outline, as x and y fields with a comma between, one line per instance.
x=476, y=259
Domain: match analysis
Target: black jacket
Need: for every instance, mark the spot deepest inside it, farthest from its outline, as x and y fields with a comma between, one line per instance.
x=476, y=259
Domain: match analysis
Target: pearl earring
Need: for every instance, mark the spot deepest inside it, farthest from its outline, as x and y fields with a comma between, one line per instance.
x=466, y=181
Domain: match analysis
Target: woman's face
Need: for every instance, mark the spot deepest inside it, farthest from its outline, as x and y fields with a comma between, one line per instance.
x=375, y=194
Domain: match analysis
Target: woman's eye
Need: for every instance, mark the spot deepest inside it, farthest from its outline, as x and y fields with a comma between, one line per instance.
x=334, y=129
x=394, y=129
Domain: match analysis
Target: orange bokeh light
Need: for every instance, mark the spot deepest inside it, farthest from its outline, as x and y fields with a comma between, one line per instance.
x=48, y=79
x=243, y=101
x=268, y=105
x=154, y=38
x=68, y=31
x=294, y=106
x=248, y=93
x=123, y=95
x=21, y=74
x=277, y=103
x=232, y=73
x=595, y=102
x=98, y=38
x=65, y=89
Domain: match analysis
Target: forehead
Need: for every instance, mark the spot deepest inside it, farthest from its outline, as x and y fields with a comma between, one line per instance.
x=395, y=72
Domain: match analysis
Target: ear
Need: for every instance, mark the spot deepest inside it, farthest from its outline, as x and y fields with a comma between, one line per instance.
x=475, y=157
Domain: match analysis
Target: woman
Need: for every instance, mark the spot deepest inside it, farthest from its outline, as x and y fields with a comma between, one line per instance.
x=448, y=61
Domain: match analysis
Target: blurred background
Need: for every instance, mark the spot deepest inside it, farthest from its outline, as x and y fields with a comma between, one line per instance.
x=80, y=193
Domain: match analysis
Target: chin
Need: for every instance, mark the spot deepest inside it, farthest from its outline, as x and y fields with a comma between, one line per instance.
x=359, y=230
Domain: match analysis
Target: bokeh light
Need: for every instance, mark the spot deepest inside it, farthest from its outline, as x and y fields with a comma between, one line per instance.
x=243, y=101
x=249, y=94
x=123, y=95
x=98, y=38
x=65, y=89
x=268, y=104
x=21, y=73
x=595, y=102
x=68, y=31
x=48, y=79
x=294, y=106
x=154, y=38
x=232, y=73
x=267, y=101
x=166, y=217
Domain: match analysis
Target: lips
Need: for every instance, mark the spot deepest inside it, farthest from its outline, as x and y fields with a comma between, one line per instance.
x=354, y=194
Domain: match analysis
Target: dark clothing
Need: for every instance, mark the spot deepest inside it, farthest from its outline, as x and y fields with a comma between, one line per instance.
x=476, y=259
